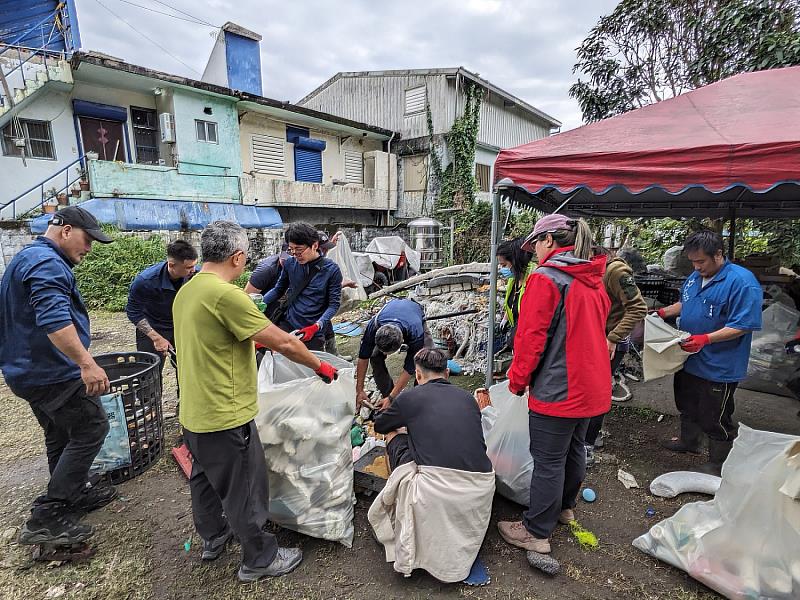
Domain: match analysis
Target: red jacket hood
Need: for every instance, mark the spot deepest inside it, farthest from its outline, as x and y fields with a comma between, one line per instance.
x=589, y=272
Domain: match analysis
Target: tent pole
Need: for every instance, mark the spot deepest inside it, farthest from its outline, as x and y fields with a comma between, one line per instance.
x=732, y=234
x=492, y=289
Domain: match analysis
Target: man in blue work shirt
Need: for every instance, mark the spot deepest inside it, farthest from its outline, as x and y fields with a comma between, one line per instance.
x=44, y=357
x=721, y=307
x=399, y=322
x=151, y=296
x=312, y=284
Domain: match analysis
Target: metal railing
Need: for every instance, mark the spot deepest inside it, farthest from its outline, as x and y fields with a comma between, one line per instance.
x=49, y=194
x=24, y=56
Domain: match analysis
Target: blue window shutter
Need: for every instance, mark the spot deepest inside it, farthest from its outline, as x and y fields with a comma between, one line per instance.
x=307, y=165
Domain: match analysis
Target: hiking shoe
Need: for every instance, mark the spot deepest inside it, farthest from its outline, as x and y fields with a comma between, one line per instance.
x=514, y=533
x=96, y=496
x=589, y=456
x=213, y=549
x=567, y=515
x=53, y=524
x=286, y=561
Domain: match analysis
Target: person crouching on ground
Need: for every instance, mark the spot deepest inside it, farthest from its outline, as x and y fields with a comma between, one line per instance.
x=435, y=508
x=565, y=368
x=216, y=324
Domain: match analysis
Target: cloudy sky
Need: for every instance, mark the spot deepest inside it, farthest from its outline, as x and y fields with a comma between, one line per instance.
x=526, y=47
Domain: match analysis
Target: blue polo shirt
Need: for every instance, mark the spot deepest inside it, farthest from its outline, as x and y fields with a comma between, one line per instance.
x=39, y=295
x=151, y=296
x=320, y=299
x=732, y=298
x=409, y=317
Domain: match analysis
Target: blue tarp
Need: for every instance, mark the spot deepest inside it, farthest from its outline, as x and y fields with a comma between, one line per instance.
x=135, y=214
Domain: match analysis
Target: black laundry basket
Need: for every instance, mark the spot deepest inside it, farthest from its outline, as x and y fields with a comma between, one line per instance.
x=136, y=375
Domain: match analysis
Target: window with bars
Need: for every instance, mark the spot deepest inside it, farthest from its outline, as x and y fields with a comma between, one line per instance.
x=145, y=135
x=354, y=167
x=482, y=175
x=206, y=131
x=36, y=135
x=415, y=100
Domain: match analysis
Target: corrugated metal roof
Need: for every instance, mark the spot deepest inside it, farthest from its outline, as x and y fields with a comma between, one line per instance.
x=432, y=72
x=33, y=24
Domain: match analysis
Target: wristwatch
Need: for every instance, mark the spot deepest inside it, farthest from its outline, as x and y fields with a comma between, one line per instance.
x=391, y=397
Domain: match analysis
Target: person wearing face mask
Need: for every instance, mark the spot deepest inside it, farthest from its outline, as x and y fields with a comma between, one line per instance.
x=515, y=266
x=400, y=322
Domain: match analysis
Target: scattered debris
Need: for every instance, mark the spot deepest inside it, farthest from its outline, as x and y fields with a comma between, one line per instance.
x=478, y=574
x=675, y=483
x=660, y=418
x=9, y=535
x=544, y=562
x=56, y=591
x=187, y=545
x=628, y=480
x=585, y=538
x=589, y=494
x=480, y=268
x=650, y=512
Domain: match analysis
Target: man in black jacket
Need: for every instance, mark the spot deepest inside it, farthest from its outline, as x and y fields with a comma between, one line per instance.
x=442, y=421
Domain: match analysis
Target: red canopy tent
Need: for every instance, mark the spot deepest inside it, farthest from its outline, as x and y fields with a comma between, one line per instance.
x=731, y=145
x=728, y=149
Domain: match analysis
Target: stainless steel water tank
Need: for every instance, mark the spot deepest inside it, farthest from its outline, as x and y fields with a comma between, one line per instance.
x=426, y=238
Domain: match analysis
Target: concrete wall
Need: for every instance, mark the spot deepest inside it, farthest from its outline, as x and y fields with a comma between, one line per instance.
x=109, y=179
x=205, y=158
x=13, y=238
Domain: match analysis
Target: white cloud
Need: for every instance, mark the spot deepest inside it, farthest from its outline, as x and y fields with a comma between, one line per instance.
x=524, y=46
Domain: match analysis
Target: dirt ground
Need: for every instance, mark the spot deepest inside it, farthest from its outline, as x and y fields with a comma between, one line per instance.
x=140, y=538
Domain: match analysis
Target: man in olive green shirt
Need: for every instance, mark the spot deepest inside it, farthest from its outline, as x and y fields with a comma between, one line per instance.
x=216, y=324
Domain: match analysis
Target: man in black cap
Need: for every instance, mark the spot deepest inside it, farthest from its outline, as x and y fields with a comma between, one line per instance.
x=44, y=357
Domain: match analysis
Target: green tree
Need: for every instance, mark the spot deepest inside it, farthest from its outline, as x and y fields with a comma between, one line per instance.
x=649, y=50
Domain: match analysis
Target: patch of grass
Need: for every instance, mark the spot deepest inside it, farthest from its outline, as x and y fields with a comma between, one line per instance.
x=120, y=570
x=20, y=435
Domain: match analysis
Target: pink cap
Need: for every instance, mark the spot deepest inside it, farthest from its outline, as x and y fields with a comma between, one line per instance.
x=546, y=224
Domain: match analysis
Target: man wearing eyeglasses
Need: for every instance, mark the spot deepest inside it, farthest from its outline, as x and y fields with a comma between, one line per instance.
x=312, y=284
x=399, y=324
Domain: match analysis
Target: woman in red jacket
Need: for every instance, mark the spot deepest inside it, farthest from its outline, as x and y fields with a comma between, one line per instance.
x=565, y=369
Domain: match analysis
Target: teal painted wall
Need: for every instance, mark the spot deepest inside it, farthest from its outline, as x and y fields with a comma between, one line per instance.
x=108, y=179
x=205, y=158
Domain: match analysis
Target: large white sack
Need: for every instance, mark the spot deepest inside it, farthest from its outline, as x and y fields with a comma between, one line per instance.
x=508, y=443
x=385, y=251
x=745, y=543
x=343, y=256
x=662, y=354
x=304, y=425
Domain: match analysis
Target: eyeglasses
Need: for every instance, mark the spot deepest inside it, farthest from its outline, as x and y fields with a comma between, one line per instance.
x=296, y=250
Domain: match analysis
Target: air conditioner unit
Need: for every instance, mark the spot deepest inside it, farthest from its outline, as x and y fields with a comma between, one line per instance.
x=166, y=123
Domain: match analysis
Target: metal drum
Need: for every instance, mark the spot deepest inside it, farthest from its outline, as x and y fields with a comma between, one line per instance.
x=426, y=238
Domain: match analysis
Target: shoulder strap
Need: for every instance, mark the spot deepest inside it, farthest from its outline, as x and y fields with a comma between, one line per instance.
x=314, y=268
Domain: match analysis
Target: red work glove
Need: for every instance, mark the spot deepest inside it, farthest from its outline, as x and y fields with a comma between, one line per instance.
x=327, y=372
x=660, y=312
x=695, y=343
x=306, y=333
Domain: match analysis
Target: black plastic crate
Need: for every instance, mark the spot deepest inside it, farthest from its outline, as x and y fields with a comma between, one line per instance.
x=137, y=376
x=650, y=285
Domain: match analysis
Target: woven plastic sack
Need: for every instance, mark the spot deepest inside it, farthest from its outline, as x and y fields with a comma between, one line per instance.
x=662, y=354
x=343, y=257
x=744, y=543
x=304, y=425
x=508, y=443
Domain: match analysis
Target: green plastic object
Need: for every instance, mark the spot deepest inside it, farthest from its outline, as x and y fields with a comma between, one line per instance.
x=357, y=436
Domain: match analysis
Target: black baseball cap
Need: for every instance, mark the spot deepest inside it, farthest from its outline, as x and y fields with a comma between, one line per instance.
x=82, y=219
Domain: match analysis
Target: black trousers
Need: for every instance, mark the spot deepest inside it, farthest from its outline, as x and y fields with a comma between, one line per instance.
x=559, y=466
x=229, y=487
x=596, y=423
x=398, y=451
x=145, y=344
x=706, y=404
x=75, y=426
x=383, y=380
x=315, y=343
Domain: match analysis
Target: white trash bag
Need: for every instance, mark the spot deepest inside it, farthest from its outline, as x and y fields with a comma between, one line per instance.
x=662, y=354
x=745, y=543
x=508, y=443
x=343, y=257
x=304, y=425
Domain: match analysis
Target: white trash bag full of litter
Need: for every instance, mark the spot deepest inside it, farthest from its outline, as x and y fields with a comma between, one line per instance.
x=508, y=441
x=304, y=425
x=745, y=543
